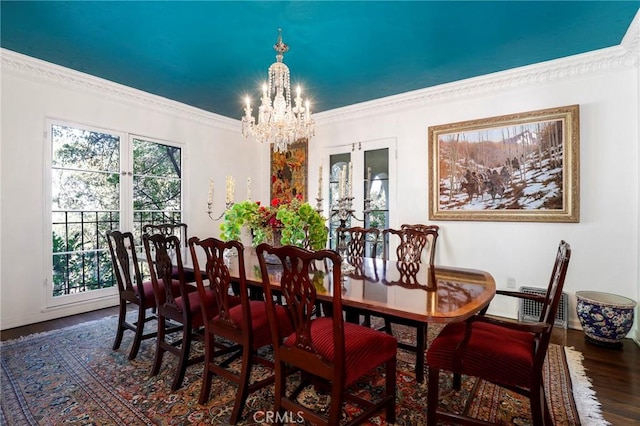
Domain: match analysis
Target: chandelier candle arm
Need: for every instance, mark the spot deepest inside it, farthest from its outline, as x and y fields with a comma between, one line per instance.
x=279, y=122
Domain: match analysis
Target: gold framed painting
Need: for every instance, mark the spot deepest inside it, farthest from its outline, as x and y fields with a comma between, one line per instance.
x=517, y=167
x=289, y=172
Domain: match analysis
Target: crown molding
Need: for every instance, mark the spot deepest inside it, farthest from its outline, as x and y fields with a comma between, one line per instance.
x=50, y=73
x=623, y=56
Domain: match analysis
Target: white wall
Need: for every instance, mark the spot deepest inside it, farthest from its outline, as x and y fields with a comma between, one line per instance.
x=605, y=243
x=33, y=91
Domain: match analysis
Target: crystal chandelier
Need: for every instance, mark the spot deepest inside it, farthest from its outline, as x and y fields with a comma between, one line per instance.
x=279, y=123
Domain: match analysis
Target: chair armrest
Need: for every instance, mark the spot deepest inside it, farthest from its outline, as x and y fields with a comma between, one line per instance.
x=535, y=297
x=531, y=327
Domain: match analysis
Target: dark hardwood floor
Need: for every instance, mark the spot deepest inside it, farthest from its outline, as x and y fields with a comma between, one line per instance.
x=615, y=374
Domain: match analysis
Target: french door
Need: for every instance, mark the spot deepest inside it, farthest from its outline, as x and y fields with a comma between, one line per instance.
x=102, y=180
x=372, y=185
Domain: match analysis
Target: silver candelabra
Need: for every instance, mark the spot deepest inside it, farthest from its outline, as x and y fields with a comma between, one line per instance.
x=228, y=205
x=343, y=211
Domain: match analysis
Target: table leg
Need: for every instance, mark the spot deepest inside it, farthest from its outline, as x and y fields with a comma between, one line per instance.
x=421, y=346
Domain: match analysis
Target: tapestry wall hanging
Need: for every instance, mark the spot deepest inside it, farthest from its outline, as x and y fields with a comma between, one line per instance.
x=518, y=167
x=289, y=172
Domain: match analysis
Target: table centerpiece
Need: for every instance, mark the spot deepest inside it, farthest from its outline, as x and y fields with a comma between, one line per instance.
x=283, y=222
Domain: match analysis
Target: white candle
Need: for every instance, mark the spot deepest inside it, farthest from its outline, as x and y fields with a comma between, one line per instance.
x=368, y=194
x=247, y=109
x=350, y=180
x=249, y=188
x=320, y=182
x=210, y=199
x=343, y=177
x=230, y=189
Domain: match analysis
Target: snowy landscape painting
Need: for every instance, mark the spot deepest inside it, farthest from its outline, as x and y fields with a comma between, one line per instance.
x=519, y=167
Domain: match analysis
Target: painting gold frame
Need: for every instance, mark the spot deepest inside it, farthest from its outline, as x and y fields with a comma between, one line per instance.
x=520, y=167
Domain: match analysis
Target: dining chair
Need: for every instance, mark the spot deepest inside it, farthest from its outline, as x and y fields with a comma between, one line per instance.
x=413, y=241
x=426, y=229
x=360, y=243
x=419, y=226
x=167, y=229
x=507, y=353
x=131, y=290
x=182, y=308
x=329, y=352
x=180, y=230
x=239, y=321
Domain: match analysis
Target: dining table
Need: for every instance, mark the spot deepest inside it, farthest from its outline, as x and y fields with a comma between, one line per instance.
x=408, y=293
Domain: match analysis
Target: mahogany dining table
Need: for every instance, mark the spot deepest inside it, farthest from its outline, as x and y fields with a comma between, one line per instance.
x=400, y=291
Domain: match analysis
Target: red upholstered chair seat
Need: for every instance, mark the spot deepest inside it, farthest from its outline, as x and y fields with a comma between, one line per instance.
x=493, y=353
x=149, y=298
x=194, y=306
x=365, y=347
x=189, y=276
x=260, y=322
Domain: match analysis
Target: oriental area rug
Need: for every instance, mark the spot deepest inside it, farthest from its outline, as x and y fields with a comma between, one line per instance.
x=72, y=377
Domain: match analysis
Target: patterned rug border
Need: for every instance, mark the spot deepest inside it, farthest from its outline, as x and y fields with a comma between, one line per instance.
x=586, y=404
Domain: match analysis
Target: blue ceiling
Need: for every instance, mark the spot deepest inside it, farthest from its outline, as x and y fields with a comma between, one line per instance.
x=210, y=54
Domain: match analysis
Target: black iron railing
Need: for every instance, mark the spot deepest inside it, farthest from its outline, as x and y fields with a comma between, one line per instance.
x=81, y=259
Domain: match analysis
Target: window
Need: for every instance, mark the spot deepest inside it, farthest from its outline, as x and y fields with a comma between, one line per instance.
x=103, y=180
x=337, y=163
x=157, y=184
x=376, y=182
x=372, y=165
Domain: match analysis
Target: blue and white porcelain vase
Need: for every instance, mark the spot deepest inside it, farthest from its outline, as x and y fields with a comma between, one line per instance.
x=605, y=318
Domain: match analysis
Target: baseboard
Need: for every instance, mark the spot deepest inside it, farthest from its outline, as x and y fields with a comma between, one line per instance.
x=60, y=312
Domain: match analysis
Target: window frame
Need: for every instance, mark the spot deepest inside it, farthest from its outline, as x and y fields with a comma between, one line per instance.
x=125, y=198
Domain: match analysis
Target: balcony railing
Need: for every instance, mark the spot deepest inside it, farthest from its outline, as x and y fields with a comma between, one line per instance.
x=81, y=260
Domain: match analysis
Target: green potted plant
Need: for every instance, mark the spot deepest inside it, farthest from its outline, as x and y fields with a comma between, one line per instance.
x=283, y=222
